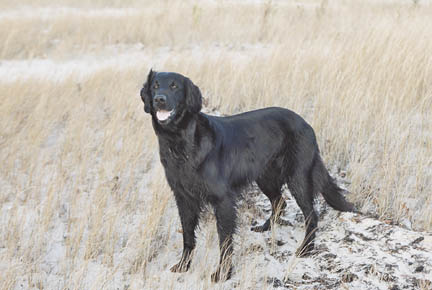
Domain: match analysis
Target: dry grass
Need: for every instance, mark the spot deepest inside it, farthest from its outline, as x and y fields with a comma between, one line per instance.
x=84, y=204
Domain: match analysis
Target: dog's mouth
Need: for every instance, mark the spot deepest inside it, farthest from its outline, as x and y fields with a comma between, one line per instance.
x=164, y=116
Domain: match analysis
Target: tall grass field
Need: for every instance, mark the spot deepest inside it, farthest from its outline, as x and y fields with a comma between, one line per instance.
x=83, y=199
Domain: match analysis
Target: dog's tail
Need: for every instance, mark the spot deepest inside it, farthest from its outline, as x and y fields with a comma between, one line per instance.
x=332, y=193
x=334, y=197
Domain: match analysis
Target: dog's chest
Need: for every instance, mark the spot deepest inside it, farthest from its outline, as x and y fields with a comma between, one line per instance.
x=181, y=171
x=175, y=157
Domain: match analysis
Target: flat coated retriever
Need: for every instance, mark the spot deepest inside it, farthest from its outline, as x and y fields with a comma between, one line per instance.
x=209, y=160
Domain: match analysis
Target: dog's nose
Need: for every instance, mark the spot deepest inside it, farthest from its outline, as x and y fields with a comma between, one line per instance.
x=160, y=99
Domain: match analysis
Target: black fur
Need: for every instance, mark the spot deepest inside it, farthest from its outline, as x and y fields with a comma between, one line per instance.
x=208, y=160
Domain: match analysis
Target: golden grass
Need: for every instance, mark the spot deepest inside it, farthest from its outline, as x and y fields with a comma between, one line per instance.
x=187, y=23
x=79, y=168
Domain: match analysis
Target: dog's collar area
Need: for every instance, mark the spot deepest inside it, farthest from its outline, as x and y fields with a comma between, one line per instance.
x=176, y=153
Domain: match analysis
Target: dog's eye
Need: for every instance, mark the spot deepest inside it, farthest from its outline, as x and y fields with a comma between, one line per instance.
x=156, y=86
x=173, y=86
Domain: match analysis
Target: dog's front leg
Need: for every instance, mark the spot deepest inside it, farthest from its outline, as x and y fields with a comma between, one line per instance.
x=226, y=214
x=189, y=211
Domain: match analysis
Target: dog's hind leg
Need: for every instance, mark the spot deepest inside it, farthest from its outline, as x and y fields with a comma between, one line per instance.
x=272, y=189
x=301, y=187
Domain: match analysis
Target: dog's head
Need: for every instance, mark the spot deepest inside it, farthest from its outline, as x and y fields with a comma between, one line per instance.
x=168, y=96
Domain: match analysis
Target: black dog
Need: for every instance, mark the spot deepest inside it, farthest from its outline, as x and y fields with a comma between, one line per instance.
x=208, y=160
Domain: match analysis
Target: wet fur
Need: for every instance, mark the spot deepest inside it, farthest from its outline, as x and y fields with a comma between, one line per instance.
x=209, y=160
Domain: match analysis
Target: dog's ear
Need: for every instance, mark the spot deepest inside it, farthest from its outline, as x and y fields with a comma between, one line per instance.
x=146, y=91
x=193, y=96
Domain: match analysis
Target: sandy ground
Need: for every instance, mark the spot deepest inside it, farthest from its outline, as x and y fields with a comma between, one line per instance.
x=352, y=252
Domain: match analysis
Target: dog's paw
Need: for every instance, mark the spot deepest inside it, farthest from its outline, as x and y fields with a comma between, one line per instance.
x=222, y=274
x=282, y=222
x=180, y=267
x=262, y=228
x=305, y=250
x=259, y=229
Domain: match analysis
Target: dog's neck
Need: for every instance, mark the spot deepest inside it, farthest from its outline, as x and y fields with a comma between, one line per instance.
x=186, y=136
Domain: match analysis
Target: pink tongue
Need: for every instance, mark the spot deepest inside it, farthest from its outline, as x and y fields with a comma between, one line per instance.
x=163, y=115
